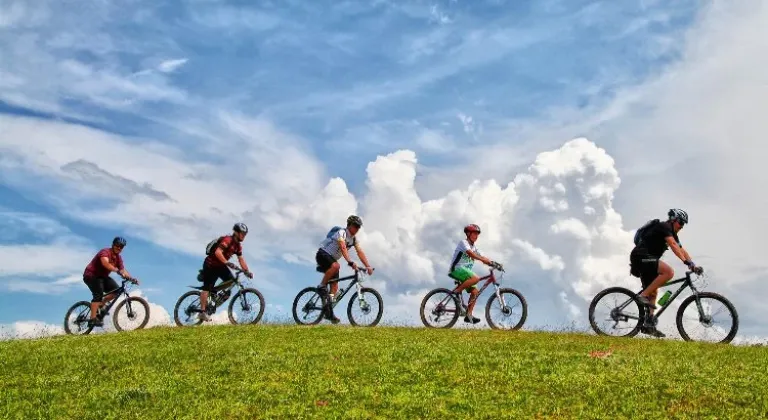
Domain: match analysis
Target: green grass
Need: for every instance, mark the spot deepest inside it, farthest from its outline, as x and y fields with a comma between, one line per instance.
x=232, y=372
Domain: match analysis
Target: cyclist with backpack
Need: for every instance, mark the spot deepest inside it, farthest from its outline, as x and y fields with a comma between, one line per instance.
x=332, y=248
x=651, y=242
x=216, y=264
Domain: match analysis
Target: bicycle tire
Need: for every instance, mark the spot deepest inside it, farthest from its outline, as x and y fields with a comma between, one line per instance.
x=242, y=292
x=642, y=312
x=716, y=296
x=178, y=303
x=70, y=310
x=296, y=301
x=123, y=304
x=455, y=301
x=522, y=301
x=352, y=301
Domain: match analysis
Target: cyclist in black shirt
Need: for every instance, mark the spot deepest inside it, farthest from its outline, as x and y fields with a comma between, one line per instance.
x=645, y=259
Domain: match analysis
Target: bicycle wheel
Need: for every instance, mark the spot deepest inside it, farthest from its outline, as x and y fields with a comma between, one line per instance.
x=136, y=309
x=370, y=297
x=312, y=308
x=514, y=303
x=187, y=314
x=445, y=306
x=704, y=316
x=251, y=302
x=626, y=308
x=78, y=314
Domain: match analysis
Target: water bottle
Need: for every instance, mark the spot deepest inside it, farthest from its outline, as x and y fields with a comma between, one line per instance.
x=665, y=298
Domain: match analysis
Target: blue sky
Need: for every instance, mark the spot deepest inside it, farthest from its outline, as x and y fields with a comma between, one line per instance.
x=201, y=113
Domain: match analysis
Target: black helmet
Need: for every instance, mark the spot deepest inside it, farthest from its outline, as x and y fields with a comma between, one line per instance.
x=240, y=227
x=119, y=241
x=679, y=215
x=354, y=220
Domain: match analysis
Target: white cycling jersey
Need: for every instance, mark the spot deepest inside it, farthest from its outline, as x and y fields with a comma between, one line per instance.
x=460, y=257
x=331, y=243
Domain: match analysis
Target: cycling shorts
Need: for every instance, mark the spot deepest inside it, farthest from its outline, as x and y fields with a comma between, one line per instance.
x=99, y=285
x=462, y=274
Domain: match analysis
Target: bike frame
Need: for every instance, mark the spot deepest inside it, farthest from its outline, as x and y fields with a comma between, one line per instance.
x=686, y=283
x=489, y=279
x=119, y=291
x=356, y=281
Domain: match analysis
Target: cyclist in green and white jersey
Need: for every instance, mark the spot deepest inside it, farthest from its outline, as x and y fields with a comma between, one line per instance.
x=461, y=268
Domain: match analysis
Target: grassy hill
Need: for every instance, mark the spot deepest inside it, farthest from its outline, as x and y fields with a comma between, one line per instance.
x=291, y=372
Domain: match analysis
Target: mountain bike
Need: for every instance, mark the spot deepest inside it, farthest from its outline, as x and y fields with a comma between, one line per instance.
x=363, y=299
x=629, y=309
x=450, y=304
x=250, y=301
x=80, y=312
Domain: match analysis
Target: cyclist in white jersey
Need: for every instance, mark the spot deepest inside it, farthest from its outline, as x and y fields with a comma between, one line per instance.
x=461, y=268
x=332, y=248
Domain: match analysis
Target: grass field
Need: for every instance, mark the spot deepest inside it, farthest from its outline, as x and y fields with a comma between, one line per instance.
x=291, y=372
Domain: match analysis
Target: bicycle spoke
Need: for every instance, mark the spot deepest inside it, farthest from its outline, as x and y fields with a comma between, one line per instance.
x=440, y=310
x=246, y=308
x=366, y=308
x=706, y=325
x=615, y=312
x=509, y=315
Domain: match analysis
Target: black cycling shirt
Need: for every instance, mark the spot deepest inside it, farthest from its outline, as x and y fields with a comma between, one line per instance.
x=655, y=239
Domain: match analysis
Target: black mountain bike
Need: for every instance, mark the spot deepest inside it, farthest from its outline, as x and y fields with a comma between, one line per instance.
x=623, y=306
x=449, y=304
x=76, y=319
x=249, y=300
x=311, y=310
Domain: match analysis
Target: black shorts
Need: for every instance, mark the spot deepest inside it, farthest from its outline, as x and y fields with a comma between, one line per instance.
x=325, y=260
x=644, y=266
x=99, y=285
x=212, y=273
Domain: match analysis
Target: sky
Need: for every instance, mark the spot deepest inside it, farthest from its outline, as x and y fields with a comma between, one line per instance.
x=558, y=126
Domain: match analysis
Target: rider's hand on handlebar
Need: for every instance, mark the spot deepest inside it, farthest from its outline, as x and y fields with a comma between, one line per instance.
x=369, y=270
x=249, y=274
x=232, y=265
x=698, y=270
x=353, y=265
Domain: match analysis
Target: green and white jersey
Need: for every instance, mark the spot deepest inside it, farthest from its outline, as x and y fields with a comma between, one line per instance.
x=460, y=257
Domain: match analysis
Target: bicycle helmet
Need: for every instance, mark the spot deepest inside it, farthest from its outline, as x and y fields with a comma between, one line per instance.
x=119, y=241
x=679, y=215
x=471, y=228
x=240, y=227
x=354, y=220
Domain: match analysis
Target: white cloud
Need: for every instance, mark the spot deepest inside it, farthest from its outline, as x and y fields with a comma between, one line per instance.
x=29, y=329
x=170, y=66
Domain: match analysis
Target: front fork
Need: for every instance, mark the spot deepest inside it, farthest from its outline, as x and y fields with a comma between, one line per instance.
x=363, y=304
x=497, y=291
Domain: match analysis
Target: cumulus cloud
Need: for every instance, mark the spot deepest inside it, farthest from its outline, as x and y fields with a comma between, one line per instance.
x=29, y=329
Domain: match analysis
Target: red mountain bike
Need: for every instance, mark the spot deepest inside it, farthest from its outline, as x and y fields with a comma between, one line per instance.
x=447, y=305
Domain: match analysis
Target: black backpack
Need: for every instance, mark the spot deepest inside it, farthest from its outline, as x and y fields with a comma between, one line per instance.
x=640, y=234
x=211, y=247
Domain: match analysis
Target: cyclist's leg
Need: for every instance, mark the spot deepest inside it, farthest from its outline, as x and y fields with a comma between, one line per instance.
x=96, y=286
x=210, y=276
x=110, y=286
x=468, y=281
x=331, y=268
x=661, y=273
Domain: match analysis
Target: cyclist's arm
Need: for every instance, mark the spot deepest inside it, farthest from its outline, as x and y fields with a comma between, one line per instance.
x=108, y=265
x=220, y=255
x=361, y=254
x=479, y=257
x=344, y=251
x=677, y=249
x=243, y=265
